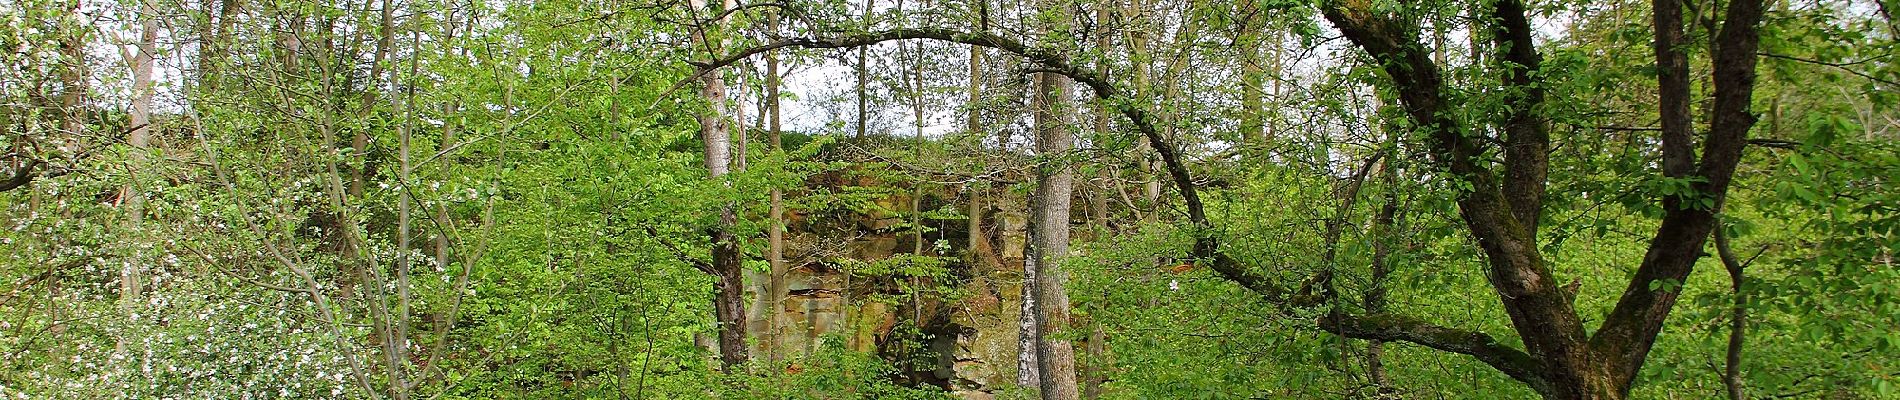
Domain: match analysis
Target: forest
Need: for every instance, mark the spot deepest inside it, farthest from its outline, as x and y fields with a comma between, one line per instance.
x=949, y=199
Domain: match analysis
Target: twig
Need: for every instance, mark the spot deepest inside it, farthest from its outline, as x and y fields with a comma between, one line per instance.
x=1841, y=66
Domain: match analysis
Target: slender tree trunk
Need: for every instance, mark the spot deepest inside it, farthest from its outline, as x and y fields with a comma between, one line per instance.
x=917, y=149
x=441, y=242
x=775, y=233
x=1093, y=372
x=1383, y=232
x=74, y=87
x=1136, y=13
x=973, y=126
x=141, y=112
x=1253, y=83
x=1475, y=35
x=404, y=212
x=1738, y=316
x=1029, y=363
x=863, y=74
x=131, y=276
x=359, y=146
x=212, y=43
x=1029, y=329
x=741, y=134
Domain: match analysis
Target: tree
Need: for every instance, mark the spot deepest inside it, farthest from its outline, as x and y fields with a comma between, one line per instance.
x=141, y=62
x=729, y=304
x=1502, y=209
x=1055, y=183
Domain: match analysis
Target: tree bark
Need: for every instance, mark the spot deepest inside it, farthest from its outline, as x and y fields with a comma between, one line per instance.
x=211, y=42
x=1054, y=189
x=1093, y=371
x=1137, y=14
x=1630, y=330
x=405, y=130
x=1502, y=212
x=1253, y=124
x=359, y=145
x=74, y=87
x=1029, y=327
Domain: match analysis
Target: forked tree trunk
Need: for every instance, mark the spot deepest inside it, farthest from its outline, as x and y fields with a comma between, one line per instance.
x=1503, y=205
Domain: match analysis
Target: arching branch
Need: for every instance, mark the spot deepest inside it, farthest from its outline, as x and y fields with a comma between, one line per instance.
x=1392, y=327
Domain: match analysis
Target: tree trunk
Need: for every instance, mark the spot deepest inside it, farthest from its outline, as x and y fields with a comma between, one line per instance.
x=917, y=149
x=776, y=285
x=863, y=74
x=131, y=276
x=359, y=146
x=1253, y=83
x=1029, y=328
x=973, y=126
x=729, y=299
x=1502, y=209
x=1136, y=14
x=1383, y=231
x=404, y=213
x=1055, y=186
x=1738, y=316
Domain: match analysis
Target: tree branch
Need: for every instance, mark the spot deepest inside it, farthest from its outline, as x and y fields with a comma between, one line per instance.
x=1775, y=143
x=1672, y=82
x=1630, y=330
x=1842, y=66
x=1392, y=327
x=21, y=176
x=1527, y=138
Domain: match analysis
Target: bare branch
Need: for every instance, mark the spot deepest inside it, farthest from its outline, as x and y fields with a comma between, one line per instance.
x=1842, y=66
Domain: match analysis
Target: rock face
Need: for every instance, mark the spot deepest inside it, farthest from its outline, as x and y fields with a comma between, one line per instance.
x=852, y=277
